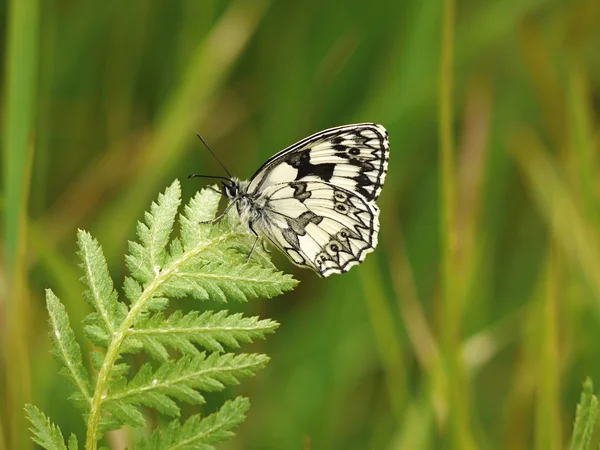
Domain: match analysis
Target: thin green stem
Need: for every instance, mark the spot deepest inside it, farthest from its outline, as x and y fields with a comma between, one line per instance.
x=453, y=277
x=547, y=427
x=447, y=174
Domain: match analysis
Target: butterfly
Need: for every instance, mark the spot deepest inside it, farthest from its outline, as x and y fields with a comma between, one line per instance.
x=315, y=200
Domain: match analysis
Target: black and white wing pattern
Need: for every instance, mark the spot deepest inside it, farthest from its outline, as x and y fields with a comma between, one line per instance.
x=354, y=157
x=319, y=225
x=315, y=200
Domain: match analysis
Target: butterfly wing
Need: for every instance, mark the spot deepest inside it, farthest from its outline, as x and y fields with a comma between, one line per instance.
x=315, y=200
x=353, y=157
x=319, y=225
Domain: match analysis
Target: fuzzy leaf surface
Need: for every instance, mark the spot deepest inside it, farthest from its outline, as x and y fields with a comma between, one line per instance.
x=73, y=444
x=182, y=380
x=210, y=330
x=202, y=207
x=197, y=433
x=225, y=282
x=100, y=293
x=46, y=434
x=67, y=350
x=147, y=257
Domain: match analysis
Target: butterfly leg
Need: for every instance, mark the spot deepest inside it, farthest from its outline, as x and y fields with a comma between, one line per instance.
x=214, y=190
x=255, y=241
x=220, y=216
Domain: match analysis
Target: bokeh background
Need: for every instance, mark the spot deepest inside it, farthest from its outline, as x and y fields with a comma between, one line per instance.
x=477, y=319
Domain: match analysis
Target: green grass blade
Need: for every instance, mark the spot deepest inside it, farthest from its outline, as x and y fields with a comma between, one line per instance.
x=585, y=418
x=582, y=142
x=452, y=284
x=547, y=425
x=19, y=115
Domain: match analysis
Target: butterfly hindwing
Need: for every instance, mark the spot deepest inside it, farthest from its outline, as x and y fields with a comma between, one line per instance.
x=319, y=225
x=353, y=157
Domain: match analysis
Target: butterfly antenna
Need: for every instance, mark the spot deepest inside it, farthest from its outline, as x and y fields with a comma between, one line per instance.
x=214, y=155
x=195, y=175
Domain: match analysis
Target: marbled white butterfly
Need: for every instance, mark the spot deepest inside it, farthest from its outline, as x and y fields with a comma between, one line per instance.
x=315, y=200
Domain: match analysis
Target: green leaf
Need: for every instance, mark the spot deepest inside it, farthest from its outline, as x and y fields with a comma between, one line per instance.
x=202, y=207
x=45, y=433
x=585, y=418
x=197, y=433
x=184, y=378
x=225, y=281
x=66, y=349
x=210, y=330
x=101, y=293
x=132, y=289
x=122, y=413
x=109, y=422
x=147, y=258
x=73, y=444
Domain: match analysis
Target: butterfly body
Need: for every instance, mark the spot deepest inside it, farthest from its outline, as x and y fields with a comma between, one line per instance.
x=315, y=200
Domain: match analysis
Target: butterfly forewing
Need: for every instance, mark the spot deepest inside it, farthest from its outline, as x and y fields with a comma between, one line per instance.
x=354, y=157
x=315, y=200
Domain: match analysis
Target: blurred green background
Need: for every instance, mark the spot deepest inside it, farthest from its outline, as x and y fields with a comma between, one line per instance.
x=477, y=319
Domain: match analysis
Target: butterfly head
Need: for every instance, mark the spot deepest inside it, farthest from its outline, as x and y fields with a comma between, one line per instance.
x=231, y=189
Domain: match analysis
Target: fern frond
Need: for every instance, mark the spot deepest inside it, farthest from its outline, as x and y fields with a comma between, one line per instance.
x=225, y=282
x=201, y=208
x=205, y=262
x=147, y=258
x=182, y=379
x=45, y=433
x=210, y=330
x=67, y=350
x=198, y=433
x=101, y=293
